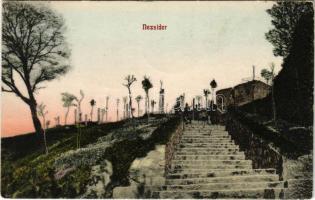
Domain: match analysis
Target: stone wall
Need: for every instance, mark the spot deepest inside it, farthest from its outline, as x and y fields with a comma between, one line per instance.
x=262, y=153
x=244, y=93
x=295, y=169
x=170, y=146
x=146, y=174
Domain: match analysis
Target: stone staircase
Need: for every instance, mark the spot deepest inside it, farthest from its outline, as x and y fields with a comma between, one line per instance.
x=207, y=164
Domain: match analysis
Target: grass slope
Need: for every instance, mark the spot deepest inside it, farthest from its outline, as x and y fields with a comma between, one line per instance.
x=28, y=173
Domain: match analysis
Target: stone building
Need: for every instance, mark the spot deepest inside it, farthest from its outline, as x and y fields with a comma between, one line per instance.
x=243, y=93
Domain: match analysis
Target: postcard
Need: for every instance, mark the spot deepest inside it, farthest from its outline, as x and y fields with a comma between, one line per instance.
x=157, y=99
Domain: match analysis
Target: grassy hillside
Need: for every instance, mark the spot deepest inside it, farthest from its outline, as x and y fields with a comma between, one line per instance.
x=26, y=172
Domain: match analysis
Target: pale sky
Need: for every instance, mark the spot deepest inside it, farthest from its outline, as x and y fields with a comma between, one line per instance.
x=203, y=40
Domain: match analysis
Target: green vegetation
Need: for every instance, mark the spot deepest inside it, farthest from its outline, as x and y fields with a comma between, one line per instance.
x=27, y=173
x=34, y=51
x=293, y=38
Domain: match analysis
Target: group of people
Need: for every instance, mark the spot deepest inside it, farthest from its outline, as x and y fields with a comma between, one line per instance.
x=205, y=116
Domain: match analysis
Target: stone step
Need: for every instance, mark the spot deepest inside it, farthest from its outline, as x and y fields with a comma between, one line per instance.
x=225, y=179
x=200, y=126
x=209, y=153
x=197, y=130
x=212, y=166
x=209, y=142
x=205, y=171
x=211, y=162
x=221, y=173
x=201, y=132
x=206, y=137
x=216, y=145
x=206, y=140
x=217, y=138
x=213, y=137
x=210, y=132
x=193, y=128
x=257, y=193
x=209, y=157
x=228, y=185
x=209, y=150
x=208, y=164
x=205, y=131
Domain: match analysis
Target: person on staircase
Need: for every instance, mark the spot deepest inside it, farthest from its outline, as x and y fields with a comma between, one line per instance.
x=187, y=116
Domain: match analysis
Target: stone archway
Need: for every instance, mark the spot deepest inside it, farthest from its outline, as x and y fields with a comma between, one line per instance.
x=221, y=99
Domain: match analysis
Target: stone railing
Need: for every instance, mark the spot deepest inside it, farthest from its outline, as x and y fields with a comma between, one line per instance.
x=171, y=145
x=263, y=154
x=267, y=149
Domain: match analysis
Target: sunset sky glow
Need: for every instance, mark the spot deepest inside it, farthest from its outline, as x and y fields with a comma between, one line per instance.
x=203, y=40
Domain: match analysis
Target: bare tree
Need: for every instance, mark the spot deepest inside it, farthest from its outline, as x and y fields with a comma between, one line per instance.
x=106, y=108
x=198, y=98
x=103, y=112
x=130, y=80
x=147, y=85
x=67, y=100
x=125, y=107
x=42, y=113
x=117, y=105
x=138, y=99
x=79, y=101
x=152, y=105
x=33, y=51
x=92, y=103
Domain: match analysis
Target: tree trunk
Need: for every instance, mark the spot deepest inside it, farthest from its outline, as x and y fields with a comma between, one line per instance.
x=79, y=112
x=66, y=116
x=146, y=103
x=130, y=103
x=273, y=103
x=33, y=107
x=91, y=114
x=147, y=107
x=253, y=98
x=138, y=109
x=206, y=103
x=37, y=125
x=36, y=121
x=44, y=133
